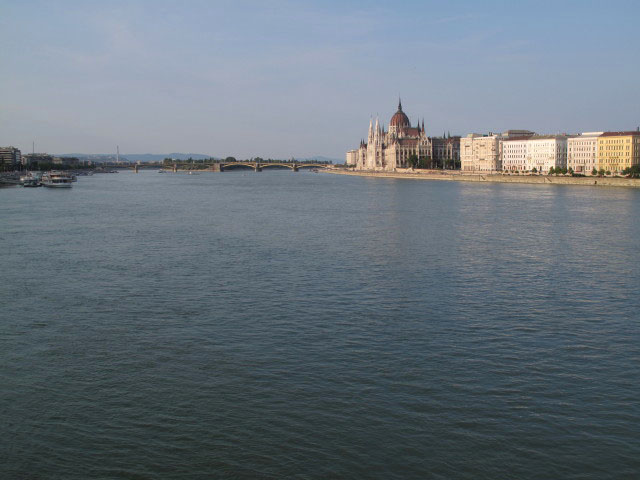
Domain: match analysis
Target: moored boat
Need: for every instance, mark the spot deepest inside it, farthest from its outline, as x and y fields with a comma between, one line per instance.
x=55, y=179
x=31, y=182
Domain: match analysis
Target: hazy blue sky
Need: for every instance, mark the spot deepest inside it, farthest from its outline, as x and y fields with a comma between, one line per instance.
x=301, y=78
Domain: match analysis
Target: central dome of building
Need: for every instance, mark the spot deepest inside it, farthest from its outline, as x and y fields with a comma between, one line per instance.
x=399, y=118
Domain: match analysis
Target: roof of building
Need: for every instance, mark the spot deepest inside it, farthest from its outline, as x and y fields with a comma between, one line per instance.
x=408, y=141
x=399, y=118
x=515, y=139
x=620, y=134
x=521, y=133
x=412, y=131
x=534, y=137
x=452, y=138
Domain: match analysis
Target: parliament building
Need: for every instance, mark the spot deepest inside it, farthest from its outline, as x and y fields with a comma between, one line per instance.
x=392, y=149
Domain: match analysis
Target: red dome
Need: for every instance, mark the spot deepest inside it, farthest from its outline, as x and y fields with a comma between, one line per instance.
x=399, y=118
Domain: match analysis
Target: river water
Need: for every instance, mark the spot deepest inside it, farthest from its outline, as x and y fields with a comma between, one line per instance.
x=300, y=325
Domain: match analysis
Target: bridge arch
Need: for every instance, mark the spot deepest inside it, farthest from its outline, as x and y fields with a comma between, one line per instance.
x=259, y=165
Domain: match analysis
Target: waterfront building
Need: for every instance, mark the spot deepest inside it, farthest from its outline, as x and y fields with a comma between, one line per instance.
x=546, y=151
x=518, y=133
x=352, y=157
x=484, y=153
x=582, y=152
x=618, y=150
x=523, y=154
x=480, y=153
x=392, y=149
x=68, y=161
x=40, y=158
x=10, y=158
x=513, y=153
x=445, y=151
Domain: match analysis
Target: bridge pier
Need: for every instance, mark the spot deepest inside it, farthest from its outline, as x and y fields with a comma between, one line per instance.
x=295, y=167
x=258, y=168
x=175, y=168
x=136, y=168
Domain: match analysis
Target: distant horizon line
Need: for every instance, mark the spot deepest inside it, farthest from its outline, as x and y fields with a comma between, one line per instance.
x=181, y=154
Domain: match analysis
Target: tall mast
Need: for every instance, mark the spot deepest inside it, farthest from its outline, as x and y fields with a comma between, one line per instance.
x=118, y=154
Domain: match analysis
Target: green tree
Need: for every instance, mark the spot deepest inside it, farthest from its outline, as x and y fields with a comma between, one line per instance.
x=413, y=160
x=601, y=172
x=570, y=171
x=230, y=159
x=594, y=171
x=534, y=170
x=632, y=172
x=552, y=171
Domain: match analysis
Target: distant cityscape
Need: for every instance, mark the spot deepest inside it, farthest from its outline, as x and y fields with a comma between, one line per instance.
x=12, y=159
x=402, y=147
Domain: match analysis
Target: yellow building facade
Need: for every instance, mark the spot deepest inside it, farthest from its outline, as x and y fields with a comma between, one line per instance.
x=618, y=150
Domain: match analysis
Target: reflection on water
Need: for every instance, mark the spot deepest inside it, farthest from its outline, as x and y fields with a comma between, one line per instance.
x=269, y=325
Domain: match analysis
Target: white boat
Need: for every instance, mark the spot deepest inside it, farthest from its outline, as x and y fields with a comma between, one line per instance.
x=55, y=179
x=31, y=182
x=31, y=179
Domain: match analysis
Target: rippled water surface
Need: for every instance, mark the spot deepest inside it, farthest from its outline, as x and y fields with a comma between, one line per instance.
x=279, y=324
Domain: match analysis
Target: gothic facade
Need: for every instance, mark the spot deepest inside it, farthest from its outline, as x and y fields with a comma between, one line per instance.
x=393, y=149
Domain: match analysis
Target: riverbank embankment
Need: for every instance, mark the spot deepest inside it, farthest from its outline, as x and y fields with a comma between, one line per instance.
x=496, y=178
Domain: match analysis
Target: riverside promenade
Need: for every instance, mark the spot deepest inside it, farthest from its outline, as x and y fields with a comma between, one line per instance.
x=457, y=176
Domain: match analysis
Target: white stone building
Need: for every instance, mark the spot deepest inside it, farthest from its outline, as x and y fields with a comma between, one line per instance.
x=352, y=157
x=546, y=151
x=387, y=151
x=513, y=153
x=480, y=153
x=582, y=152
x=523, y=154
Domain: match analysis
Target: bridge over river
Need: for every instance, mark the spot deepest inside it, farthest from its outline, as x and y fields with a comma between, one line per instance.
x=258, y=166
x=222, y=166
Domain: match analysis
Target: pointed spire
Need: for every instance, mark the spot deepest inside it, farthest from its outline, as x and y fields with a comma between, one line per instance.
x=399, y=104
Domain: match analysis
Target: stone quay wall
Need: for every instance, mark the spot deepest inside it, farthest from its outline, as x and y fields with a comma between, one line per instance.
x=495, y=178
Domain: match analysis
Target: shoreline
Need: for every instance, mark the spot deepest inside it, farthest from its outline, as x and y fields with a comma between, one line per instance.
x=497, y=178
